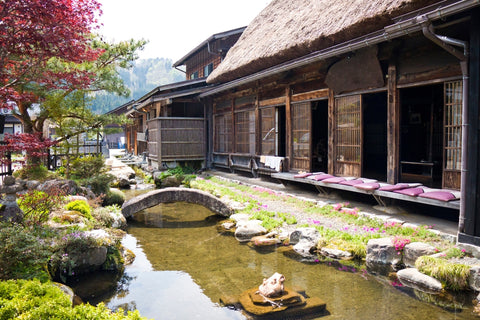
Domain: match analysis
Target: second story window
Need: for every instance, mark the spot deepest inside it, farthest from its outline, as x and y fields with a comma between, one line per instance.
x=194, y=75
x=207, y=69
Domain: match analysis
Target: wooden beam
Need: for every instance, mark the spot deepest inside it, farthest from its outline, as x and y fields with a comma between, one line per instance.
x=393, y=126
x=316, y=94
x=272, y=101
x=288, y=126
x=331, y=132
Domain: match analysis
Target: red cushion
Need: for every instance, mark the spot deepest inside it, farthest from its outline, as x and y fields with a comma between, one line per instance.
x=320, y=177
x=410, y=191
x=352, y=182
x=302, y=175
x=440, y=195
x=368, y=186
x=334, y=180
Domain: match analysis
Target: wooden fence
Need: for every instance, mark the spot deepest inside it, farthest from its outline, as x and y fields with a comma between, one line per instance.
x=176, y=139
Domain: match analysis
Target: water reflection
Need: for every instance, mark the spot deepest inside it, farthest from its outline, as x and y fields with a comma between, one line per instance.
x=184, y=267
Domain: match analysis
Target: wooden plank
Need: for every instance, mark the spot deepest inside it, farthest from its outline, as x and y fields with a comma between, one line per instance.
x=272, y=101
x=288, y=126
x=315, y=94
x=288, y=176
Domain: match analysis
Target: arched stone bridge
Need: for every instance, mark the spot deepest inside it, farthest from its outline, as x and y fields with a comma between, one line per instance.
x=166, y=195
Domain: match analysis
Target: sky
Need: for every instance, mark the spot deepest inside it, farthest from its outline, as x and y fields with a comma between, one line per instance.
x=174, y=27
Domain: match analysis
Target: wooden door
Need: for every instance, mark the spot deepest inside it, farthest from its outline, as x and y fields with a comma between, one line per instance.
x=301, y=136
x=452, y=137
x=348, y=136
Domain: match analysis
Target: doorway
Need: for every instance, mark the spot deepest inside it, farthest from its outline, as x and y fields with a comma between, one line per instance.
x=375, y=151
x=320, y=136
x=421, y=139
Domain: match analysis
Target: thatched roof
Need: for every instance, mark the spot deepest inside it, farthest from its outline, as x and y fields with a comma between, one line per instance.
x=289, y=29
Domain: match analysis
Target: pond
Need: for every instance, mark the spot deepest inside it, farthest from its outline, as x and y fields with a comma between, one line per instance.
x=184, y=266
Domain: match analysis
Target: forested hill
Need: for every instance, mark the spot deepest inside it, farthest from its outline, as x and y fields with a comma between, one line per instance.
x=145, y=75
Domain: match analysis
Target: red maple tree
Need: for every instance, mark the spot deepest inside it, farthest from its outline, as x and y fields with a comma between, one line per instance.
x=42, y=44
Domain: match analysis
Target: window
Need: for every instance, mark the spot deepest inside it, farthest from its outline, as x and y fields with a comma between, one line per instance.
x=223, y=128
x=348, y=129
x=301, y=130
x=207, y=69
x=194, y=75
x=453, y=125
x=269, y=131
x=245, y=132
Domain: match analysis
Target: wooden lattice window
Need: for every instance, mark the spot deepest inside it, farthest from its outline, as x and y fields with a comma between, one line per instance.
x=301, y=124
x=453, y=125
x=245, y=132
x=348, y=124
x=223, y=133
x=269, y=131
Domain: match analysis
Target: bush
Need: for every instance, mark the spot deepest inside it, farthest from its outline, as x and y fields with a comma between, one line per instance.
x=87, y=166
x=23, y=299
x=37, y=205
x=23, y=254
x=99, y=184
x=80, y=206
x=103, y=215
x=34, y=172
x=114, y=197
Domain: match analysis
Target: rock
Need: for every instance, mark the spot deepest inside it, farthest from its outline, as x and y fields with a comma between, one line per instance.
x=414, y=250
x=228, y=225
x=66, y=289
x=32, y=184
x=171, y=181
x=239, y=217
x=248, y=229
x=413, y=278
x=123, y=183
x=272, y=286
x=310, y=234
x=73, y=198
x=474, y=278
x=263, y=241
x=304, y=240
x=336, y=254
x=91, y=260
x=68, y=186
x=9, y=181
x=382, y=251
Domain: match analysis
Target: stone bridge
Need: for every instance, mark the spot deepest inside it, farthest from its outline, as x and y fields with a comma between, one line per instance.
x=166, y=195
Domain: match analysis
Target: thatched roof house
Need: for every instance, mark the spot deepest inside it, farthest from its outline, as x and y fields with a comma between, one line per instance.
x=287, y=29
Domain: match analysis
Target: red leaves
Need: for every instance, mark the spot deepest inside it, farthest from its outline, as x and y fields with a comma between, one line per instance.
x=34, y=31
x=32, y=144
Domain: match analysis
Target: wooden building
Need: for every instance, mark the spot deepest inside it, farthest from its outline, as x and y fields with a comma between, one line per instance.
x=387, y=90
x=168, y=124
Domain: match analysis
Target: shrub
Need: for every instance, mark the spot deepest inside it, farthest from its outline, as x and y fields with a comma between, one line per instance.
x=99, y=184
x=114, y=197
x=87, y=166
x=37, y=205
x=103, y=215
x=34, y=172
x=80, y=206
x=23, y=254
x=23, y=299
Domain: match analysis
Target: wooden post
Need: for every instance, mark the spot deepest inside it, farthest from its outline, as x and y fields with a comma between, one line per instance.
x=331, y=131
x=288, y=127
x=233, y=146
x=393, y=127
x=258, y=132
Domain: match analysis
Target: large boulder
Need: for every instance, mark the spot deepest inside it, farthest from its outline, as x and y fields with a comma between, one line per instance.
x=413, y=278
x=415, y=250
x=305, y=241
x=247, y=229
x=382, y=252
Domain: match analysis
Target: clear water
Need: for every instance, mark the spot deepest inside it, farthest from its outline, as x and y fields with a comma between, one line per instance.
x=183, y=267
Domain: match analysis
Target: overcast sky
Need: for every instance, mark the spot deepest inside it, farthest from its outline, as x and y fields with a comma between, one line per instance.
x=174, y=27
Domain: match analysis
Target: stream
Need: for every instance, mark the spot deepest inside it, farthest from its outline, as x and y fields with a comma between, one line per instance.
x=184, y=266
